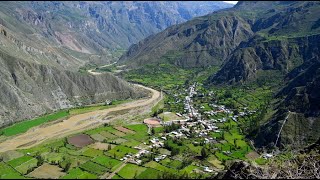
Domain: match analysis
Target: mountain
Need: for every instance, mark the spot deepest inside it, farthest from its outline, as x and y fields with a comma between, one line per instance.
x=43, y=44
x=213, y=39
x=29, y=89
x=70, y=34
x=277, y=40
x=203, y=41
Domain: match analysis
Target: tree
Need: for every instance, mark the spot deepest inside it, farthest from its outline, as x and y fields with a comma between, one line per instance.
x=67, y=167
x=109, y=147
x=175, y=151
x=152, y=131
x=227, y=94
x=204, y=153
x=40, y=160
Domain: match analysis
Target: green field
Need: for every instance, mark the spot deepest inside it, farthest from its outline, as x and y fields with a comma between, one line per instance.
x=93, y=168
x=77, y=173
x=148, y=174
x=19, y=161
x=120, y=151
x=90, y=152
x=26, y=125
x=107, y=162
x=131, y=171
x=7, y=172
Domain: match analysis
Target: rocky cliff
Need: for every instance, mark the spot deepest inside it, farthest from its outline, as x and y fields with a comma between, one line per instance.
x=29, y=89
x=262, y=54
x=298, y=111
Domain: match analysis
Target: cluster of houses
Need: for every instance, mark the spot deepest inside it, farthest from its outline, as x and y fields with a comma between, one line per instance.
x=192, y=125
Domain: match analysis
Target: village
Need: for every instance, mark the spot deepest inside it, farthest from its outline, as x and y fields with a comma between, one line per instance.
x=196, y=133
x=191, y=125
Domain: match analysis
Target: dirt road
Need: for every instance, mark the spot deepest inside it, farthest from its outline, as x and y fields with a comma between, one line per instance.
x=74, y=124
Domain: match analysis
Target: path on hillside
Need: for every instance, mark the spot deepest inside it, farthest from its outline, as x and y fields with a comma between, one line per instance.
x=75, y=123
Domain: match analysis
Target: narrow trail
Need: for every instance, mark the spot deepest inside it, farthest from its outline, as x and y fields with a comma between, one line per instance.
x=284, y=122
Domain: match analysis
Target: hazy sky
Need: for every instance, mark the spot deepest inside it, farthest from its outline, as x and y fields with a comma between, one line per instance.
x=231, y=2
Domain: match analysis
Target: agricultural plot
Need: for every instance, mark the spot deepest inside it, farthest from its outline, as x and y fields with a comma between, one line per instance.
x=120, y=151
x=189, y=169
x=102, y=146
x=93, y=168
x=130, y=171
x=140, y=132
x=77, y=173
x=52, y=157
x=26, y=166
x=124, y=130
x=195, y=149
x=131, y=143
x=26, y=125
x=7, y=172
x=114, y=131
x=90, y=152
x=10, y=155
x=47, y=171
x=107, y=162
x=149, y=174
x=74, y=160
x=215, y=162
x=118, y=141
x=116, y=176
x=80, y=140
x=108, y=135
x=97, y=137
x=157, y=166
x=69, y=150
x=19, y=161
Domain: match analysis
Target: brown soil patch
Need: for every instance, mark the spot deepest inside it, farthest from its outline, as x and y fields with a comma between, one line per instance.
x=252, y=155
x=47, y=171
x=152, y=122
x=80, y=140
x=101, y=146
x=122, y=129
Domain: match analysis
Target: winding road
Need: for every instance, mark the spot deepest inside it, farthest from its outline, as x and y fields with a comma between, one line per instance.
x=75, y=124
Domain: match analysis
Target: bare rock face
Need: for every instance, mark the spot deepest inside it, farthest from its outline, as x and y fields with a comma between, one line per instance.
x=259, y=54
x=29, y=90
x=298, y=113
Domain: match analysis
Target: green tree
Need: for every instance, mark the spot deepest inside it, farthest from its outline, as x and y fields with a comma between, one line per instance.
x=67, y=167
x=204, y=153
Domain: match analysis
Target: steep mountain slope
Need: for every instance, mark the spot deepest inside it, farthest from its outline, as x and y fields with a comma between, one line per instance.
x=284, y=39
x=298, y=112
x=73, y=33
x=203, y=41
x=260, y=54
x=212, y=39
x=249, y=40
x=29, y=89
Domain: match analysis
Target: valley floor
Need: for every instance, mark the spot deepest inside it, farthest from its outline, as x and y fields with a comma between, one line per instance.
x=75, y=124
